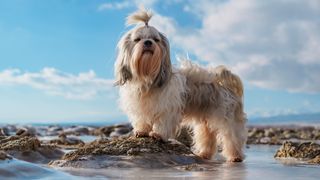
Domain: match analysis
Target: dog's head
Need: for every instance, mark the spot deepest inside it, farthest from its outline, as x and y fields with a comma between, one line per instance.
x=143, y=54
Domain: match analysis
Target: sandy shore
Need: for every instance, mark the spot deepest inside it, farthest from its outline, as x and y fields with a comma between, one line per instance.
x=88, y=151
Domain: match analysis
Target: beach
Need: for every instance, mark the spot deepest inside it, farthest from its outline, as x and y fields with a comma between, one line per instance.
x=93, y=152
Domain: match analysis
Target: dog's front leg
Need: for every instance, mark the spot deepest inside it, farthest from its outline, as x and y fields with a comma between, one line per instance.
x=165, y=127
x=141, y=128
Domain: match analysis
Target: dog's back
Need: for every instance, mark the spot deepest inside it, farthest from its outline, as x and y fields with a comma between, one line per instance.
x=211, y=89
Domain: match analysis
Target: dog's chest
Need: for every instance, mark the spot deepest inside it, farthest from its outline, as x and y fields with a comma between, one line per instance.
x=168, y=99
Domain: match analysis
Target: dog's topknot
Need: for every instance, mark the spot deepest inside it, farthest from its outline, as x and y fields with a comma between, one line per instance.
x=140, y=16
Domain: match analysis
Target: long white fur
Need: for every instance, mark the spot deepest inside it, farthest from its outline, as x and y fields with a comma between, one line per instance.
x=162, y=110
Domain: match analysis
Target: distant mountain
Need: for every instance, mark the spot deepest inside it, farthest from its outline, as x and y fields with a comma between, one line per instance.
x=312, y=118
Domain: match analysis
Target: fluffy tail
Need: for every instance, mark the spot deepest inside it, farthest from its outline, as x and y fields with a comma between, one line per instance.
x=232, y=82
x=229, y=80
x=220, y=74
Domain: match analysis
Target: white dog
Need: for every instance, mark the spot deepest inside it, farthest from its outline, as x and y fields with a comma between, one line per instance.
x=159, y=98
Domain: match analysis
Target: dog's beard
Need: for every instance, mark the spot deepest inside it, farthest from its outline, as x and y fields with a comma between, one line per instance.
x=146, y=64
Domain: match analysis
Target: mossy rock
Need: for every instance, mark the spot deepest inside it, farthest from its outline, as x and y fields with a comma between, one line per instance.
x=129, y=152
x=127, y=146
x=307, y=151
x=29, y=149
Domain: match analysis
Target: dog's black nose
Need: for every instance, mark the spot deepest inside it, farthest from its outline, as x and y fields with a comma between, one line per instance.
x=147, y=43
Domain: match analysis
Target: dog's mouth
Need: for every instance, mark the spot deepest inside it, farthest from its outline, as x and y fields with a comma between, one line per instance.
x=147, y=51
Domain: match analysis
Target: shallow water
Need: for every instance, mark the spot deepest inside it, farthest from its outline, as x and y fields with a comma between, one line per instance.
x=17, y=169
x=259, y=164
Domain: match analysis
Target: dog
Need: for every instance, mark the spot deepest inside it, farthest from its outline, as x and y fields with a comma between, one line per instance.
x=159, y=98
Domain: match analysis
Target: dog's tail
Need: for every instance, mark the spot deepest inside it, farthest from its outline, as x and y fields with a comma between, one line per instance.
x=220, y=75
x=229, y=80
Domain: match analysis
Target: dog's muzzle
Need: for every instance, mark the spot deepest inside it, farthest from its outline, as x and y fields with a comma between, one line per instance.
x=147, y=43
x=148, y=47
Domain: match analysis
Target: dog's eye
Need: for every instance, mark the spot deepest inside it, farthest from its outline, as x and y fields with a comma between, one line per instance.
x=156, y=39
x=136, y=39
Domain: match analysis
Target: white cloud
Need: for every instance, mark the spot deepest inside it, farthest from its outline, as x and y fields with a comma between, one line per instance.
x=115, y=5
x=126, y=4
x=164, y=24
x=83, y=86
x=271, y=44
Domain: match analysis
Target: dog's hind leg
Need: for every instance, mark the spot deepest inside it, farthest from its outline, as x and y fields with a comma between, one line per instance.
x=204, y=140
x=233, y=140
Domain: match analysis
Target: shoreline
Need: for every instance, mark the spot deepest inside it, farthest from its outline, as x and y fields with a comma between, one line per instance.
x=110, y=150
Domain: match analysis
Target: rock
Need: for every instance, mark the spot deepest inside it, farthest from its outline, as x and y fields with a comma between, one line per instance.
x=53, y=130
x=120, y=131
x=306, y=135
x=112, y=131
x=29, y=149
x=76, y=130
x=10, y=129
x=265, y=140
x=120, y=146
x=2, y=133
x=315, y=160
x=317, y=135
x=128, y=152
x=26, y=131
x=276, y=135
x=185, y=136
x=4, y=156
x=269, y=132
x=20, y=143
x=67, y=142
x=307, y=151
x=102, y=131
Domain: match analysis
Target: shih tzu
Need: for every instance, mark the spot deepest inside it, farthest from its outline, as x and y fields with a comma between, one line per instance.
x=159, y=98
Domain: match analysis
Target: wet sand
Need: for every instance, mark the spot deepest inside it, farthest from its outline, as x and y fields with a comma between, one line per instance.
x=259, y=164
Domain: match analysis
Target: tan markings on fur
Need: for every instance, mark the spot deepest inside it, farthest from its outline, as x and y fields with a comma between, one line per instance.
x=229, y=80
x=201, y=97
x=147, y=65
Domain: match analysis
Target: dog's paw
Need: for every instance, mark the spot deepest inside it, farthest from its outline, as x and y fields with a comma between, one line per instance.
x=156, y=136
x=205, y=155
x=140, y=134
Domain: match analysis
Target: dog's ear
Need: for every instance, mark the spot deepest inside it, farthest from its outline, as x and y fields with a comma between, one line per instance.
x=165, y=69
x=124, y=76
x=122, y=68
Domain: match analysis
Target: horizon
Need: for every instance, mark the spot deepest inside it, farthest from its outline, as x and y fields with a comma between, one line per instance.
x=56, y=57
x=312, y=119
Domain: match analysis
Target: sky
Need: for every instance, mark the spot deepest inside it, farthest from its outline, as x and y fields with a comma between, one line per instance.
x=57, y=56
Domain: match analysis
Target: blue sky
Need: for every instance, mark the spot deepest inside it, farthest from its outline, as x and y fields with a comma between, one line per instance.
x=56, y=56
